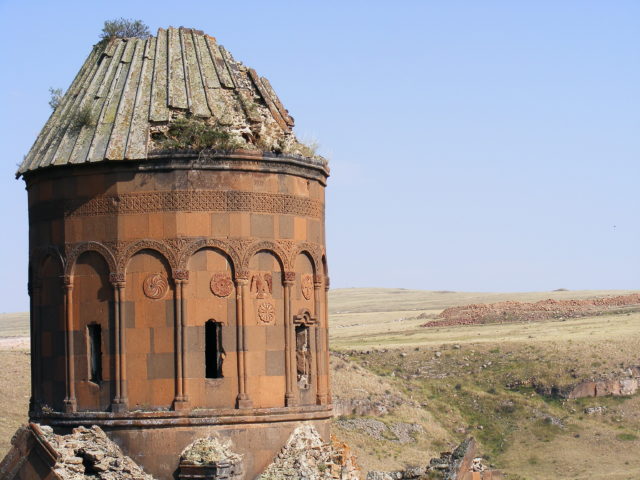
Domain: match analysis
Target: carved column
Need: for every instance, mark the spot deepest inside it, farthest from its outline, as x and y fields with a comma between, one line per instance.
x=181, y=400
x=70, y=403
x=36, y=360
x=289, y=342
x=119, y=403
x=321, y=330
x=122, y=321
x=325, y=326
x=242, y=280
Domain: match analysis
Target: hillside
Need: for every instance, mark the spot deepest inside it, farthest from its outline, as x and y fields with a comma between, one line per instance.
x=477, y=380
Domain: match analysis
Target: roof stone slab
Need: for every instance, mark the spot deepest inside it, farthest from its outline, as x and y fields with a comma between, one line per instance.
x=128, y=89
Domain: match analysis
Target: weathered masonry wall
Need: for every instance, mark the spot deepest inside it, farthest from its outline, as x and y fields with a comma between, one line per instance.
x=128, y=266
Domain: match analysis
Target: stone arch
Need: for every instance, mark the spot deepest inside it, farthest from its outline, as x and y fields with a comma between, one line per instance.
x=47, y=313
x=146, y=244
x=94, y=323
x=150, y=375
x=267, y=246
x=211, y=301
x=40, y=255
x=213, y=244
x=264, y=320
x=311, y=251
x=77, y=250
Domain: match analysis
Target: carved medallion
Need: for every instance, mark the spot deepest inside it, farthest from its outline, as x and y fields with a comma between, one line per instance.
x=221, y=285
x=266, y=313
x=155, y=286
x=306, y=283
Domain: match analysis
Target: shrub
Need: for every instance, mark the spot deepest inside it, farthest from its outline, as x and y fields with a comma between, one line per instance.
x=56, y=97
x=124, y=28
x=83, y=118
x=192, y=134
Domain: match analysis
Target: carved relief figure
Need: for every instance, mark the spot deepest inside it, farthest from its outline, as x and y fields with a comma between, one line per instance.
x=261, y=284
x=306, y=283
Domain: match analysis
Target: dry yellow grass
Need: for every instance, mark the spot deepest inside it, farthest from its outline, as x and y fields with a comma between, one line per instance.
x=598, y=447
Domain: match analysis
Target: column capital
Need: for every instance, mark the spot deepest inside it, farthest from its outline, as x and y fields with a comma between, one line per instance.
x=242, y=275
x=181, y=275
x=288, y=278
x=117, y=279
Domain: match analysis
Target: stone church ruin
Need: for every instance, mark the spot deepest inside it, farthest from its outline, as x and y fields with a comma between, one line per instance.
x=177, y=272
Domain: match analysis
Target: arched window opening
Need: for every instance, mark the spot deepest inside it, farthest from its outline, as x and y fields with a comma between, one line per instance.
x=94, y=349
x=303, y=356
x=214, y=354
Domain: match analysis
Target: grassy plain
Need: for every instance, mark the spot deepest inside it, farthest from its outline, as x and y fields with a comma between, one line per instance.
x=458, y=376
x=450, y=382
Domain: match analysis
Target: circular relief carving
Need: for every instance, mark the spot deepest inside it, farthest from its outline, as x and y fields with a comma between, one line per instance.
x=307, y=286
x=221, y=285
x=266, y=312
x=155, y=286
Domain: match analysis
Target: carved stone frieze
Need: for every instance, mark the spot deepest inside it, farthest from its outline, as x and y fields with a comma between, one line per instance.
x=178, y=201
x=178, y=251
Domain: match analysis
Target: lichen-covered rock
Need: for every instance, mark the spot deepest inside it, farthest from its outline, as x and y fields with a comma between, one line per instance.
x=306, y=456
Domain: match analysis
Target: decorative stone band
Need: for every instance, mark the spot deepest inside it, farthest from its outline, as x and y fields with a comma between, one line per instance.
x=177, y=201
x=188, y=417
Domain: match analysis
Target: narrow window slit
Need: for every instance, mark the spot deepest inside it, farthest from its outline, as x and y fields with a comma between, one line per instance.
x=214, y=354
x=303, y=357
x=94, y=335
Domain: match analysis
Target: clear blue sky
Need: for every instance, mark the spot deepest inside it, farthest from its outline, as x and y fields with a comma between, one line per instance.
x=474, y=145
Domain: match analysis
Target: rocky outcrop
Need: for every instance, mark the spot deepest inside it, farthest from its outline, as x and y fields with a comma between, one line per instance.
x=306, y=456
x=461, y=464
x=400, y=432
x=620, y=384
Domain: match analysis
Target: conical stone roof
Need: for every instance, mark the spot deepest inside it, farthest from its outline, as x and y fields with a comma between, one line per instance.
x=131, y=91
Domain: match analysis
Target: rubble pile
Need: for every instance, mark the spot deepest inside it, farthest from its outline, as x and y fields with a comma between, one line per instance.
x=306, y=456
x=87, y=453
x=208, y=450
x=510, y=311
x=210, y=457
